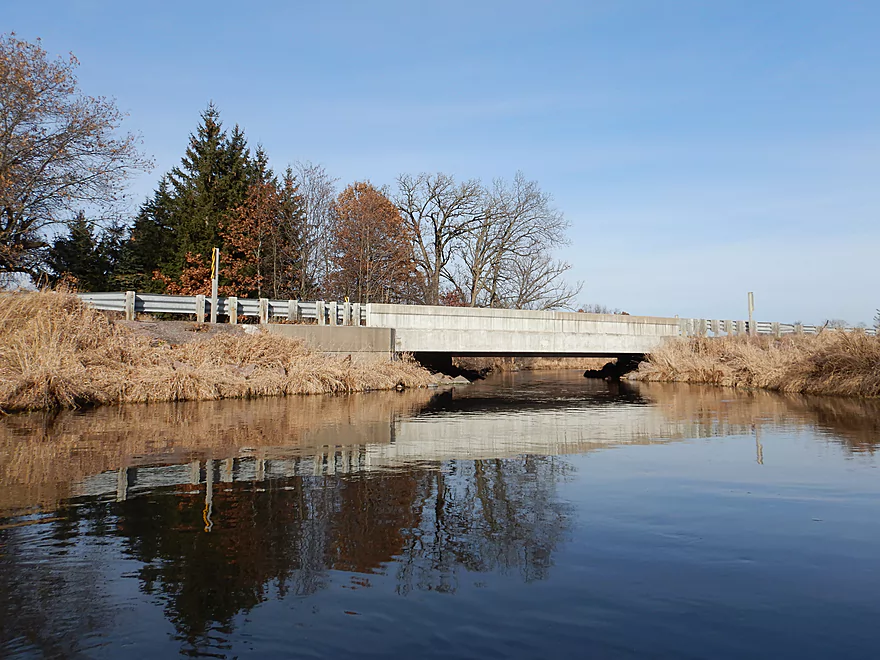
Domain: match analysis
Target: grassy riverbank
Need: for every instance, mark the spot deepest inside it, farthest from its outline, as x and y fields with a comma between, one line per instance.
x=57, y=353
x=833, y=362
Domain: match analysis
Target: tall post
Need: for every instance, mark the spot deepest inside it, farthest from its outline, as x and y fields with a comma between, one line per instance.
x=129, y=306
x=752, y=328
x=215, y=280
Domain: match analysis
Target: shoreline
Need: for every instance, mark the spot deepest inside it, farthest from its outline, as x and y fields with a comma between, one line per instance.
x=833, y=363
x=56, y=353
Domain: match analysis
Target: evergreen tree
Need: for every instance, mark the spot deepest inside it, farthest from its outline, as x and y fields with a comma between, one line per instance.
x=79, y=255
x=151, y=244
x=211, y=181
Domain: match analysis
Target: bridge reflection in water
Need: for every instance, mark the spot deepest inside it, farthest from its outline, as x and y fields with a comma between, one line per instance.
x=116, y=452
x=223, y=506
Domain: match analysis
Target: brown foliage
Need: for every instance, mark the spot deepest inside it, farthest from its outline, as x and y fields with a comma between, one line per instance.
x=195, y=278
x=58, y=150
x=373, y=248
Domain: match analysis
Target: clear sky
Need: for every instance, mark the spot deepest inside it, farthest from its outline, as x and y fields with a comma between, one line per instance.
x=700, y=149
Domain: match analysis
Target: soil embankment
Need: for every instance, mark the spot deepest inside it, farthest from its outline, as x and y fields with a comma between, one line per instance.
x=57, y=353
x=833, y=363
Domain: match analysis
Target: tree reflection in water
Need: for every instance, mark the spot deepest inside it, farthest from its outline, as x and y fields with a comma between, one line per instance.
x=408, y=492
x=423, y=525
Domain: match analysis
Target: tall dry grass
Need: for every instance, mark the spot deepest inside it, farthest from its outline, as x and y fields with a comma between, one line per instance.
x=57, y=353
x=833, y=362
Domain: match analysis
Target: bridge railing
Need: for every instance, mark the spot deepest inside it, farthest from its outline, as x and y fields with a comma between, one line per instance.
x=720, y=328
x=265, y=309
x=344, y=313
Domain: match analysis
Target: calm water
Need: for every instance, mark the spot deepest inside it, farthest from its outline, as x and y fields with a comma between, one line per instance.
x=531, y=515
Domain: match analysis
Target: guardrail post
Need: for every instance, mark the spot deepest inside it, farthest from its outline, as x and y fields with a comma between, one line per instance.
x=293, y=314
x=346, y=313
x=740, y=327
x=368, y=315
x=777, y=331
x=264, y=310
x=356, y=314
x=798, y=328
x=232, y=308
x=129, y=306
x=715, y=329
x=200, y=308
x=319, y=312
x=332, y=312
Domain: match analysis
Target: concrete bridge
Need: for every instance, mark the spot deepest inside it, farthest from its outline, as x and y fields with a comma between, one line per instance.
x=385, y=329
x=470, y=331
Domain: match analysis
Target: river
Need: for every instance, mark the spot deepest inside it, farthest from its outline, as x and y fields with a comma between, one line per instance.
x=530, y=515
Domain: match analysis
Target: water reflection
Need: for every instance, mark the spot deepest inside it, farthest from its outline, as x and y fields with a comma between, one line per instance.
x=216, y=508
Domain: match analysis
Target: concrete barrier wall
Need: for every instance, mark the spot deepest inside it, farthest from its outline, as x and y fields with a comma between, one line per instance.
x=340, y=340
x=497, y=332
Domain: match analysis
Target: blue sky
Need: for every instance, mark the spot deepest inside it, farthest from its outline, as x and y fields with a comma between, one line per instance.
x=700, y=149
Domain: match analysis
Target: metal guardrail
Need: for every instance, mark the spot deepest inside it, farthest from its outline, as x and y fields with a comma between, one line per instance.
x=324, y=313
x=344, y=313
x=718, y=328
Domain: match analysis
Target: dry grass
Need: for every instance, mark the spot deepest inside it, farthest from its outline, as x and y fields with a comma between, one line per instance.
x=833, y=362
x=57, y=353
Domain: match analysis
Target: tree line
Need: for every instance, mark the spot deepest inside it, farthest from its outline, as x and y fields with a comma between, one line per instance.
x=429, y=238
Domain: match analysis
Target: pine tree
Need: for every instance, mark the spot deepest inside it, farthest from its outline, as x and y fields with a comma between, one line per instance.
x=78, y=256
x=211, y=181
x=151, y=244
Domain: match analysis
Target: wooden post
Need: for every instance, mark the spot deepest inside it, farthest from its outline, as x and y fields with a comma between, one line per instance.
x=332, y=312
x=232, y=309
x=129, y=306
x=215, y=278
x=356, y=314
x=740, y=327
x=319, y=309
x=264, y=310
x=200, y=308
x=293, y=311
x=798, y=328
x=728, y=328
x=752, y=329
x=715, y=330
x=346, y=313
x=777, y=331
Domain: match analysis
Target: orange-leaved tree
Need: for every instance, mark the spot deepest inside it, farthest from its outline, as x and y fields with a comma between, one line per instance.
x=372, y=248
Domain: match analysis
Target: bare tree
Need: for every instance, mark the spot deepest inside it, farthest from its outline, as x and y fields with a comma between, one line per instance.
x=60, y=151
x=440, y=213
x=518, y=221
x=317, y=190
x=537, y=281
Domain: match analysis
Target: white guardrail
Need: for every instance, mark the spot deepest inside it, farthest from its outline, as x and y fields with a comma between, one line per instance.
x=702, y=328
x=131, y=304
x=344, y=313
